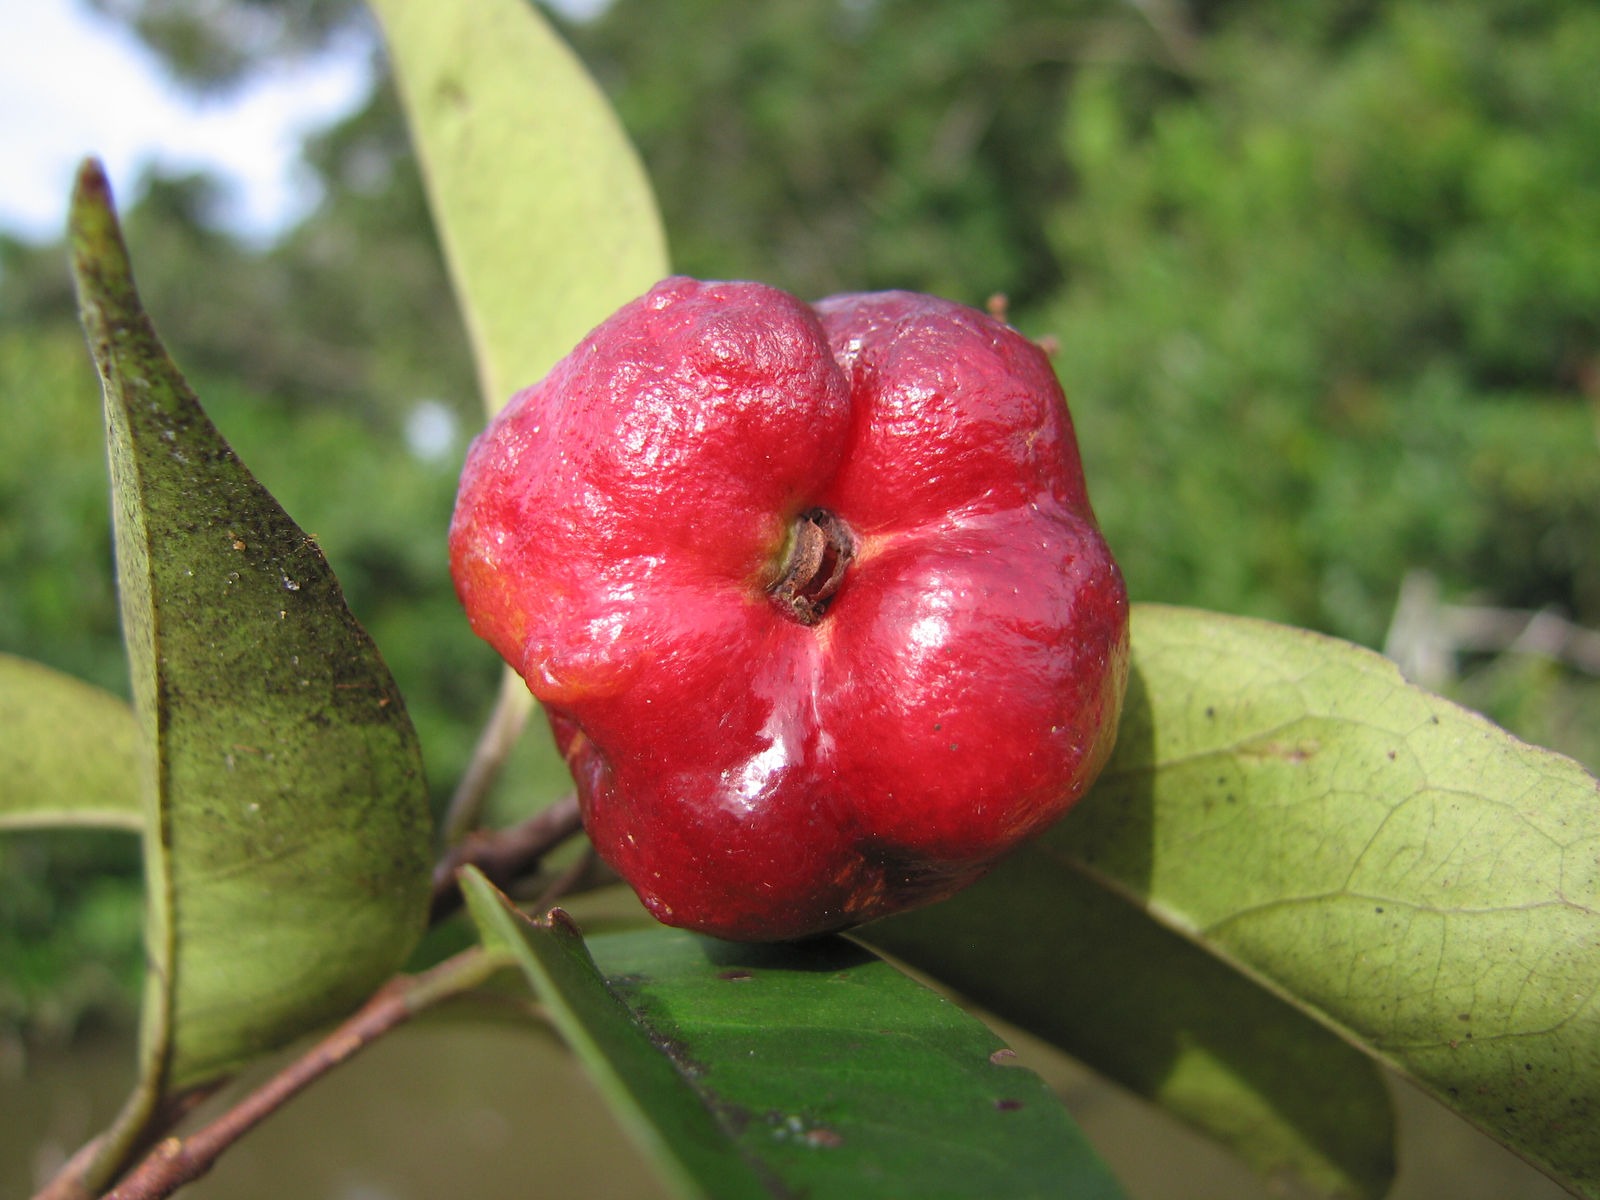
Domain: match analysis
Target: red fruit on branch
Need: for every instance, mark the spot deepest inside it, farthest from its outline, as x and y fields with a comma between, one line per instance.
x=813, y=596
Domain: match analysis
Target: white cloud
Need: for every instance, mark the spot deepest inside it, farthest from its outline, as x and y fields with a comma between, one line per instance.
x=72, y=85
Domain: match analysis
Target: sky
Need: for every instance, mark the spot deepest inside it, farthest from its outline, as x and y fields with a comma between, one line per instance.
x=73, y=85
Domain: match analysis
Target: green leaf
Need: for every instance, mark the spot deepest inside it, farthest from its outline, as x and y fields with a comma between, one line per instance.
x=70, y=755
x=287, y=854
x=815, y=1069
x=546, y=216
x=1407, y=873
x=655, y=1103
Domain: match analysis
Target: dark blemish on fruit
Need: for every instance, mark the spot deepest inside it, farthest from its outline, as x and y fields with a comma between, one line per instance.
x=1006, y=1104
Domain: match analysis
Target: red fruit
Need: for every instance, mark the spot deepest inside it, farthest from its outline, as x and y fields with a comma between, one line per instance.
x=814, y=598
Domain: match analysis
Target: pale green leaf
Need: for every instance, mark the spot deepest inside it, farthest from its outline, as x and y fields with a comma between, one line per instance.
x=1413, y=876
x=813, y=1069
x=546, y=216
x=69, y=753
x=287, y=854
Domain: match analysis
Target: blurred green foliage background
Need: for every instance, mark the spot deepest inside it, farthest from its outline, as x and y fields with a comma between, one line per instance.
x=1324, y=279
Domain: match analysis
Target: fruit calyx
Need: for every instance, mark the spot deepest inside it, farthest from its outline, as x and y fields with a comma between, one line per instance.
x=820, y=550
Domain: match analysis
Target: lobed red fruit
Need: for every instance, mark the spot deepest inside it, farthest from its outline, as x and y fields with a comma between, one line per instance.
x=813, y=596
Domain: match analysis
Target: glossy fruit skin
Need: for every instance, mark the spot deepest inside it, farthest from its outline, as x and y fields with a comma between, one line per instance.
x=621, y=529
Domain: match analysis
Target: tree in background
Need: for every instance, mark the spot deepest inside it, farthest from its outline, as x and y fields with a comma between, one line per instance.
x=1324, y=280
x=1351, y=222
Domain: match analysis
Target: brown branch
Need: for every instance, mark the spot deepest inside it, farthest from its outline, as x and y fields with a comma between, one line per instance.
x=503, y=855
x=137, y=1128
x=1426, y=636
x=586, y=871
x=68, y=1183
x=1543, y=634
x=176, y=1161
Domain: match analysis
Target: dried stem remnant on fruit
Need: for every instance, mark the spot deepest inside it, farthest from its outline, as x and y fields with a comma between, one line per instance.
x=820, y=550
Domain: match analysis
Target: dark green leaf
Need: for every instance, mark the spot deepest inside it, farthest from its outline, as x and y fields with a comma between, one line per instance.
x=648, y=1095
x=796, y=1070
x=70, y=752
x=1408, y=874
x=287, y=854
x=546, y=216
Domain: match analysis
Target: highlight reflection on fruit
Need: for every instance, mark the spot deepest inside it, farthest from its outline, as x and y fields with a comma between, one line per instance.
x=813, y=596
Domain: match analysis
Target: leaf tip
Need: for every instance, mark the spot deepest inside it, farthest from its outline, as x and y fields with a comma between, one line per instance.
x=91, y=184
x=92, y=204
x=97, y=254
x=561, y=921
